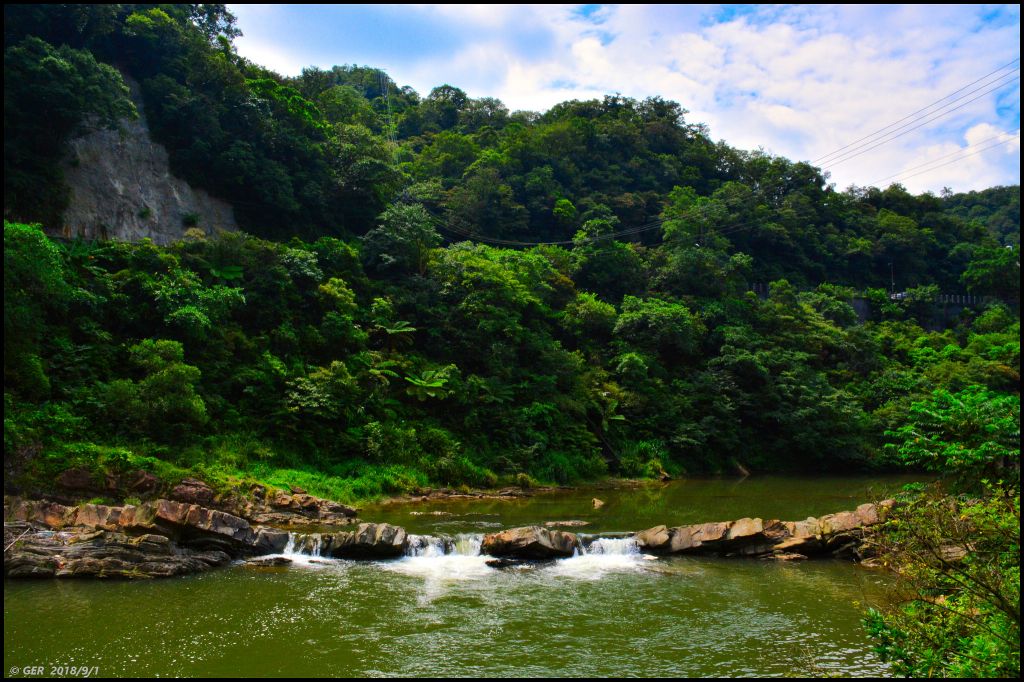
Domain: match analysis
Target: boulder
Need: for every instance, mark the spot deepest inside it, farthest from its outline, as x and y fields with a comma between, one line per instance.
x=369, y=541
x=142, y=482
x=77, y=479
x=42, y=512
x=531, y=542
x=270, y=541
x=193, y=491
x=188, y=522
x=655, y=540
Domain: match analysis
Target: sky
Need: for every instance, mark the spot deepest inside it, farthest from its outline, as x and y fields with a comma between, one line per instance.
x=800, y=81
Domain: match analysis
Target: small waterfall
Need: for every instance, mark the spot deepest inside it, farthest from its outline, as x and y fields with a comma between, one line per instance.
x=620, y=546
x=442, y=545
x=304, y=548
x=595, y=557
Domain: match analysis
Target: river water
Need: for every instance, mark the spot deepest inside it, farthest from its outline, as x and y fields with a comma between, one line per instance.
x=609, y=611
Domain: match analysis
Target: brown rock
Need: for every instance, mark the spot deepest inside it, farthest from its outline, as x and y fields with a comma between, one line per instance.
x=370, y=541
x=745, y=530
x=142, y=482
x=598, y=503
x=270, y=541
x=532, y=542
x=656, y=540
x=77, y=479
x=839, y=523
x=269, y=561
x=193, y=491
x=805, y=544
x=98, y=516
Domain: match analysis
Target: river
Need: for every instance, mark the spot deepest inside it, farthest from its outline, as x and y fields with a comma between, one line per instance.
x=608, y=612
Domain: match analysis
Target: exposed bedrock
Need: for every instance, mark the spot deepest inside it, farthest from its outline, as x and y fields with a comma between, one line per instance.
x=840, y=535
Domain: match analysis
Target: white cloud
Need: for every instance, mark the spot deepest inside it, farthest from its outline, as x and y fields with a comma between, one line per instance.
x=799, y=81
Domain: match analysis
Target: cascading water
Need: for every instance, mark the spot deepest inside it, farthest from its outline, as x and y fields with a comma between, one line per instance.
x=596, y=556
x=304, y=549
x=445, y=558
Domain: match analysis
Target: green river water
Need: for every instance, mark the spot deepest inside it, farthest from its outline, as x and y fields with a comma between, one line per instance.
x=611, y=612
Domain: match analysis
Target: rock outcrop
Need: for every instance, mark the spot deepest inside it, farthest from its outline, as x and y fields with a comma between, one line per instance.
x=839, y=535
x=368, y=541
x=122, y=188
x=155, y=539
x=103, y=554
x=531, y=542
x=278, y=508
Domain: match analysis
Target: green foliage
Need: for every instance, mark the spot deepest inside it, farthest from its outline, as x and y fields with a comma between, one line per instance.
x=392, y=362
x=959, y=562
x=50, y=95
x=163, y=404
x=971, y=436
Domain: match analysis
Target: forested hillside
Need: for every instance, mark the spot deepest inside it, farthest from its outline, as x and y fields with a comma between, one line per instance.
x=390, y=320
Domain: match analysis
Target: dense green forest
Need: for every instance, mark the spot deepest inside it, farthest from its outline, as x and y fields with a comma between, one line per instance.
x=433, y=290
x=386, y=323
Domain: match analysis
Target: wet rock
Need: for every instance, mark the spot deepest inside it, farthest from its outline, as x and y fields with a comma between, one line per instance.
x=566, y=524
x=532, y=542
x=598, y=503
x=786, y=556
x=506, y=563
x=269, y=561
x=370, y=541
x=270, y=541
x=193, y=491
x=296, y=490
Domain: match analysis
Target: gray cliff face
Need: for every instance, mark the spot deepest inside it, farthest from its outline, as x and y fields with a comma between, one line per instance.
x=122, y=188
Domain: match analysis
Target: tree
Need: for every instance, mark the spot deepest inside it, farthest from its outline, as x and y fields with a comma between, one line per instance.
x=401, y=242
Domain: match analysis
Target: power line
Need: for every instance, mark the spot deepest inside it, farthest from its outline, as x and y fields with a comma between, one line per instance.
x=992, y=146
x=919, y=111
x=875, y=144
x=958, y=151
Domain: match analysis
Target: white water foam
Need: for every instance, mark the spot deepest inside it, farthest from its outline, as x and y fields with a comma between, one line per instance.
x=443, y=558
x=307, y=552
x=601, y=556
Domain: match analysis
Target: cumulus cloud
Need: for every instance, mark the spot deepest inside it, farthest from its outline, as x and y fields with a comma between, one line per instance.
x=800, y=81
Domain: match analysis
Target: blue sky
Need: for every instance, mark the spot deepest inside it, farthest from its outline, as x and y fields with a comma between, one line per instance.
x=797, y=80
